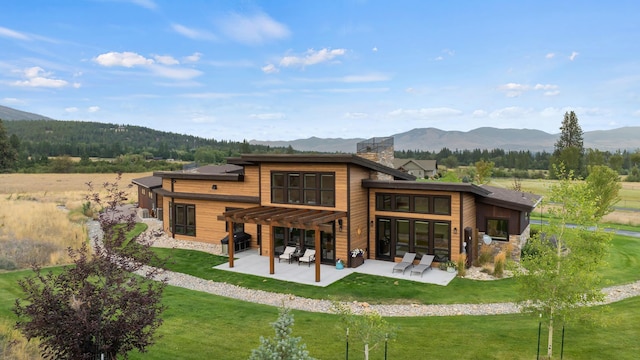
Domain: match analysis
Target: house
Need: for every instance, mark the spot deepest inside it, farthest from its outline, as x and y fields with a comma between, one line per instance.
x=148, y=201
x=335, y=203
x=421, y=169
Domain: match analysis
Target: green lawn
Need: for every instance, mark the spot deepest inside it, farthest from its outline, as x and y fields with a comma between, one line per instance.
x=624, y=256
x=202, y=326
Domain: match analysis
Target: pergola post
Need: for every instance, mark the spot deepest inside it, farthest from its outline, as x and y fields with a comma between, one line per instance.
x=272, y=250
x=318, y=253
x=232, y=245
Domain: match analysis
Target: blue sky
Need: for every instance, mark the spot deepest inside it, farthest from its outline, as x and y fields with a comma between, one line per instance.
x=283, y=70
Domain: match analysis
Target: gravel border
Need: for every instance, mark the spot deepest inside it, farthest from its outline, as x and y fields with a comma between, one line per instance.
x=612, y=294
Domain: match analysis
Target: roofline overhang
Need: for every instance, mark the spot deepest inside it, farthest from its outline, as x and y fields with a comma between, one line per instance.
x=253, y=159
x=425, y=185
x=213, y=197
x=196, y=176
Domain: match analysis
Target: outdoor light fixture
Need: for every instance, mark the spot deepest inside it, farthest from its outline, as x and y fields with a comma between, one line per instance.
x=340, y=224
x=455, y=230
x=214, y=187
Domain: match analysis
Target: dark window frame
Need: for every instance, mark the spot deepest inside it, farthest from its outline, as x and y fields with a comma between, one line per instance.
x=181, y=222
x=389, y=202
x=317, y=194
x=505, y=227
x=441, y=254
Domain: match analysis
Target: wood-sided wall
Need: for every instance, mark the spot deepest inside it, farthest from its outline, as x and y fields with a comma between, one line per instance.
x=456, y=217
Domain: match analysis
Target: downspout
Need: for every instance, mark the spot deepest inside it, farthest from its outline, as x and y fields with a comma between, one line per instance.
x=173, y=211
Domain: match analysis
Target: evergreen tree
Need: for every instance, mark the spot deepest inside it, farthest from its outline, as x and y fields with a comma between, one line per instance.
x=8, y=154
x=282, y=346
x=569, y=149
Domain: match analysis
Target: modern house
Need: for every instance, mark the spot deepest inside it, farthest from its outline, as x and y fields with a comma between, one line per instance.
x=336, y=203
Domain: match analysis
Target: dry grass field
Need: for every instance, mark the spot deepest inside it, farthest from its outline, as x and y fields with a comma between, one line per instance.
x=40, y=215
x=629, y=194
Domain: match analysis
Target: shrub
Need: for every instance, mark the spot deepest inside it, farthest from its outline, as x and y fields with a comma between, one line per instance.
x=462, y=265
x=499, y=264
x=485, y=256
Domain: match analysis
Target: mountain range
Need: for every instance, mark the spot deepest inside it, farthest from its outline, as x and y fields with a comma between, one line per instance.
x=432, y=139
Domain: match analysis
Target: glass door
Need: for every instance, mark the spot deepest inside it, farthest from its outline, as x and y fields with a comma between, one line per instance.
x=383, y=239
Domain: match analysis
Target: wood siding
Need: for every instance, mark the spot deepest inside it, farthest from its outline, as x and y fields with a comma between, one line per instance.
x=358, y=217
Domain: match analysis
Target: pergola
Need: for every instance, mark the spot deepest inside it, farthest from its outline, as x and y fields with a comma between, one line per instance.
x=273, y=216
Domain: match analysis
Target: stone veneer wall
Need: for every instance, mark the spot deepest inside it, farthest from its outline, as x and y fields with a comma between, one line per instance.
x=383, y=156
x=515, y=243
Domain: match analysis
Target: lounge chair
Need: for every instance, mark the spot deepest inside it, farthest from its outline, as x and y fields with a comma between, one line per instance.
x=286, y=254
x=308, y=257
x=407, y=260
x=423, y=265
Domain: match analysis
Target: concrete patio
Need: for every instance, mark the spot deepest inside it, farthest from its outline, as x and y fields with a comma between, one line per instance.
x=251, y=263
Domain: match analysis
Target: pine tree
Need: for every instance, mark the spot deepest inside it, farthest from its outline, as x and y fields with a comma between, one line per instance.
x=282, y=346
x=8, y=154
x=569, y=149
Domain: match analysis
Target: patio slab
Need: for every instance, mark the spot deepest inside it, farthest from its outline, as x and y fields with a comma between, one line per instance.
x=251, y=263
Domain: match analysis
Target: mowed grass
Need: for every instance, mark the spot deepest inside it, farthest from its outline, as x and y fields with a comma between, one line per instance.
x=202, y=326
x=624, y=257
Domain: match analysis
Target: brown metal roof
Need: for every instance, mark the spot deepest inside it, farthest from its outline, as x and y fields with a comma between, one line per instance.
x=284, y=217
x=148, y=182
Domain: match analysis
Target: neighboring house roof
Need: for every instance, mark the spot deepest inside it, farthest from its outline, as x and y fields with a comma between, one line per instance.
x=213, y=172
x=426, y=165
x=149, y=182
x=321, y=159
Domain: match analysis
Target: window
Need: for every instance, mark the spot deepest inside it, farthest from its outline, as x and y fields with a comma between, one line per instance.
x=237, y=227
x=498, y=229
x=423, y=204
x=303, y=188
x=185, y=219
x=442, y=205
x=423, y=237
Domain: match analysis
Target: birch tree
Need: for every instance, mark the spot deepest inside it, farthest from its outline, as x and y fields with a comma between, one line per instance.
x=559, y=274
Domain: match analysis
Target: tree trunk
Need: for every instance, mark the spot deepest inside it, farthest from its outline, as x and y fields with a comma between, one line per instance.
x=550, y=344
x=366, y=351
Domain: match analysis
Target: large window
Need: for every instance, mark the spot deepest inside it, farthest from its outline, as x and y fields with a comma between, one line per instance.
x=498, y=229
x=184, y=222
x=423, y=204
x=303, y=188
x=423, y=237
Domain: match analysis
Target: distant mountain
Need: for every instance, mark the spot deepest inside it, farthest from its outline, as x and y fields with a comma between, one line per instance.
x=432, y=139
x=8, y=114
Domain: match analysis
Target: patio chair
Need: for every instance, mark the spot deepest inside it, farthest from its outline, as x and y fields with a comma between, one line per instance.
x=286, y=254
x=308, y=257
x=407, y=260
x=423, y=265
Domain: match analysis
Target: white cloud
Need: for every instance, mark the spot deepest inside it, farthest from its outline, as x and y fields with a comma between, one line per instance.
x=13, y=101
x=573, y=55
x=126, y=59
x=427, y=112
x=93, y=109
x=77, y=85
x=270, y=69
x=254, y=29
x=479, y=113
x=510, y=113
x=71, y=109
x=550, y=56
x=37, y=77
x=195, y=57
x=166, y=60
x=636, y=113
x=375, y=49
x=355, y=115
x=5, y=32
x=268, y=116
x=312, y=57
x=193, y=33
x=175, y=73
x=515, y=89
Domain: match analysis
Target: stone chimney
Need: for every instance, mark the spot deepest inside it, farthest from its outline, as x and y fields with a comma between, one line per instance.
x=380, y=150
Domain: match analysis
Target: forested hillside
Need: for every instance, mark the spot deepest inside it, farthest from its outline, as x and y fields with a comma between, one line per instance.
x=92, y=139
